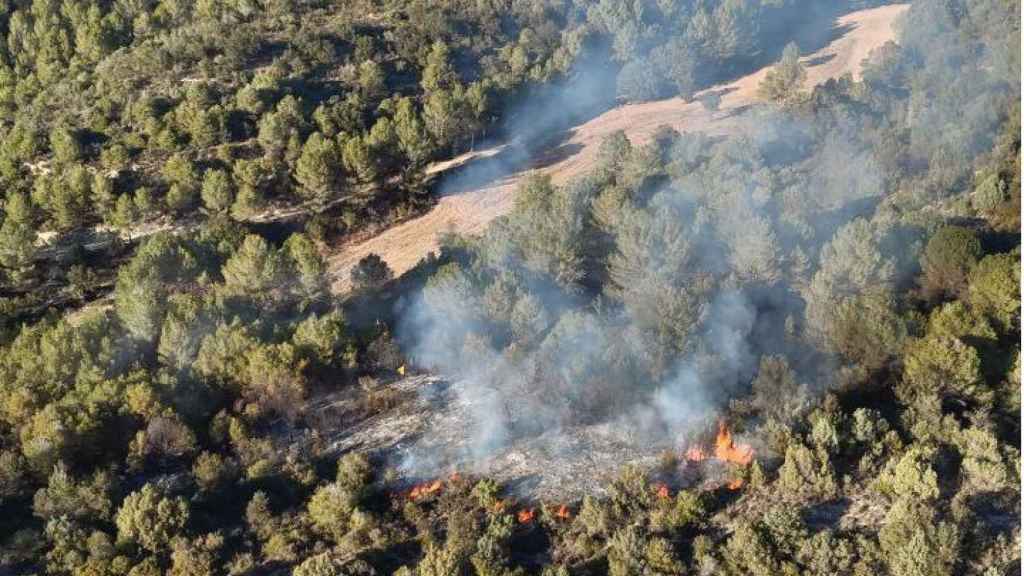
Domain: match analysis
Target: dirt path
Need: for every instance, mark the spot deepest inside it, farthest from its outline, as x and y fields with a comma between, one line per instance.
x=468, y=212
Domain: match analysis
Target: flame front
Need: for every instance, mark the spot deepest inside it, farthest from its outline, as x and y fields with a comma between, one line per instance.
x=662, y=491
x=735, y=484
x=525, y=516
x=726, y=451
x=695, y=454
x=425, y=489
x=562, y=513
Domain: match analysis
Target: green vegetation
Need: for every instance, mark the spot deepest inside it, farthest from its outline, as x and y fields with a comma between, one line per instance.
x=167, y=429
x=120, y=117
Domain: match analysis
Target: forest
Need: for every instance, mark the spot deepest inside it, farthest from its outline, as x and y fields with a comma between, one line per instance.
x=837, y=284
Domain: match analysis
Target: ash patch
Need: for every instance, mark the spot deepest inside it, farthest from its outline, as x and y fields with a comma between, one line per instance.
x=432, y=431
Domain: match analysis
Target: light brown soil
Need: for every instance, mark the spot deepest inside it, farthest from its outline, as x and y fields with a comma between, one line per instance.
x=468, y=212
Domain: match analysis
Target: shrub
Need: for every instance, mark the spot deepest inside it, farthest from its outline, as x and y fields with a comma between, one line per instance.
x=330, y=509
x=994, y=289
x=151, y=519
x=354, y=473
x=784, y=82
x=197, y=557
x=212, y=471
x=915, y=543
x=218, y=192
x=910, y=476
x=807, y=472
x=947, y=260
x=370, y=272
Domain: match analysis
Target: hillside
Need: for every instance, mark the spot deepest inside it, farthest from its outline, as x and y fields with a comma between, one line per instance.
x=734, y=288
x=467, y=209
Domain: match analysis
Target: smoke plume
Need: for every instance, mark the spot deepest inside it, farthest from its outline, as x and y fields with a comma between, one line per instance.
x=644, y=300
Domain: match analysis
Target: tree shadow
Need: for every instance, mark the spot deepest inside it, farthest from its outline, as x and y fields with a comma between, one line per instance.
x=999, y=510
x=819, y=60
x=825, y=515
x=735, y=112
x=525, y=484
x=555, y=155
x=720, y=92
x=514, y=158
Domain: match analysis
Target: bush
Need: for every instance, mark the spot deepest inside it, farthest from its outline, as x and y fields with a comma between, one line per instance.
x=330, y=509
x=354, y=473
x=151, y=519
x=910, y=476
x=213, y=471
x=197, y=557
x=784, y=82
x=915, y=543
x=323, y=564
x=218, y=192
x=947, y=260
x=319, y=168
x=807, y=473
x=994, y=289
x=371, y=272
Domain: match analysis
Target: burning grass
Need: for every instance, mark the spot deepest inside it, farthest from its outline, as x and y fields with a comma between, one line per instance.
x=426, y=489
x=430, y=430
x=727, y=451
x=562, y=512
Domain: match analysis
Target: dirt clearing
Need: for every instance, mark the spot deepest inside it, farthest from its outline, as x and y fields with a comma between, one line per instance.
x=469, y=209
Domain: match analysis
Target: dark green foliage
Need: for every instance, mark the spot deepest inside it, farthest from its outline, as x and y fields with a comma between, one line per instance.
x=370, y=272
x=217, y=192
x=318, y=169
x=948, y=259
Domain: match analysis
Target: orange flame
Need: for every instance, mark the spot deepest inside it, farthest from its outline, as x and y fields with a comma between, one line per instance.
x=525, y=516
x=562, y=513
x=425, y=489
x=499, y=506
x=735, y=484
x=695, y=454
x=662, y=491
x=727, y=451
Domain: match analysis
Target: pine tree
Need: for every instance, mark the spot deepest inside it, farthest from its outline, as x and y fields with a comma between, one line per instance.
x=318, y=169
x=412, y=135
x=218, y=191
x=17, y=237
x=784, y=82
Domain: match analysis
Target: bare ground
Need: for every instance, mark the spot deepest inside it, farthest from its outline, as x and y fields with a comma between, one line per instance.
x=468, y=210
